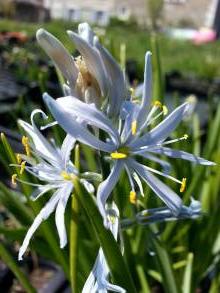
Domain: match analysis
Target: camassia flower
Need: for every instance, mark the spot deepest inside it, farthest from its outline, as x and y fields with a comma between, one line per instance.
x=98, y=278
x=134, y=136
x=51, y=165
x=163, y=214
x=94, y=76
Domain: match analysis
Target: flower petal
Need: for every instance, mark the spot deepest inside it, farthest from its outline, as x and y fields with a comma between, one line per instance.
x=64, y=194
x=58, y=53
x=147, y=91
x=75, y=128
x=106, y=187
x=167, y=195
x=163, y=129
x=93, y=61
x=86, y=33
x=43, y=215
x=165, y=165
x=90, y=114
x=180, y=155
x=41, y=190
x=41, y=145
x=118, y=88
x=66, y=148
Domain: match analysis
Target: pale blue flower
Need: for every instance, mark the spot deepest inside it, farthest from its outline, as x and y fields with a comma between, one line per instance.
x=163, y=214
x=51, y=165
x=95, y=77
x=97, y=281
x=128, y=139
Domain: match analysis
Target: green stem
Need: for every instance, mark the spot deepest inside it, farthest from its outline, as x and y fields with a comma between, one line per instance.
x=115, y=260
x=7, y=258
x=165, y=267
x=74, y=230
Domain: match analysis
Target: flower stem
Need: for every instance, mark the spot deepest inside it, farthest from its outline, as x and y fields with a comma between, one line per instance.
x=74, y=229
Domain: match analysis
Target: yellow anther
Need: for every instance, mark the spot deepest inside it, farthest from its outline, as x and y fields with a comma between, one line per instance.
x=25, y=142
x=183, y=185
x=134, y=127
x=13, y=179
x=18, y=158
x=133, y=197
x=186, y=136
x=165, y=110
x=118, y=156
x=22, y=167
x=158, y=104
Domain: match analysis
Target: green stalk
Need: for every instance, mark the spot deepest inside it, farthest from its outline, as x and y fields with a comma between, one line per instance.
x=8, y=259
x=158, y=84
x=165, y=267
x=74, y=231
x=116, y=262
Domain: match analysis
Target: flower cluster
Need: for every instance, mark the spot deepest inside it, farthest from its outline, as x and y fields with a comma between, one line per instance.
x=99, y=110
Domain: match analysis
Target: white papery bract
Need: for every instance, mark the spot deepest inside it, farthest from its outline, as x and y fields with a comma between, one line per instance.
x=53, y=166
x=97, y=281
x=93, y=77
x=129, y=138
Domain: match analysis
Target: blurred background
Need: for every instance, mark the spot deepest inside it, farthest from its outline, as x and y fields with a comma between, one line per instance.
x=183, y=36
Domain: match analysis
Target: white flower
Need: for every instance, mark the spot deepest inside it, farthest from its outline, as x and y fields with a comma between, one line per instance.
x=51, y=165
x=95, y=76
x=129, y=139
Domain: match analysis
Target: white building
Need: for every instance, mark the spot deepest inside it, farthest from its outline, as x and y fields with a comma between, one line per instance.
x=197, y=12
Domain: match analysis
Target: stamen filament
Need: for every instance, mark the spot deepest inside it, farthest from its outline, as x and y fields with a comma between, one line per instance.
x=184, y=137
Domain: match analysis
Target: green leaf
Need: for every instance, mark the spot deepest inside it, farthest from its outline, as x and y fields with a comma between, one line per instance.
x=116, y=262
x=164, y=266
x=14, y=205
x=187, y=279
x=9, y=261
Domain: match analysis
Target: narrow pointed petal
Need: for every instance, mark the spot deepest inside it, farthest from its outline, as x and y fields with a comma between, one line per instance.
x=64, y=194
x=40, y=143
x=86, y=33
x=60, y=56
x=165, y=165
x=90, y=114
x=167, y=195
x=66, y=148
x=176, y=154
x=93, y=61
x=118, y=88
x=106, y=187
x=43, y=215
x=163, y=129
x=41, y=190
x=75, y=128
x=147, y=90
